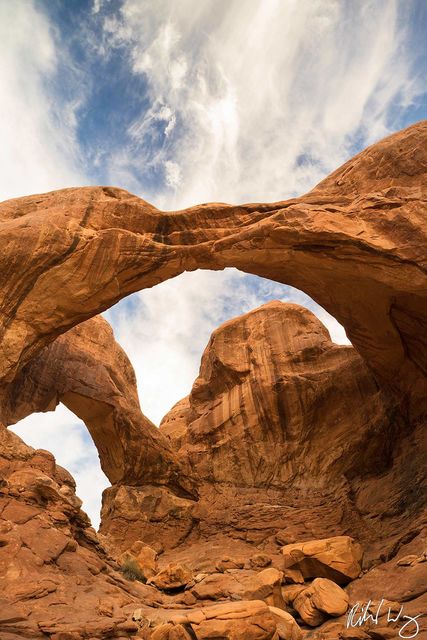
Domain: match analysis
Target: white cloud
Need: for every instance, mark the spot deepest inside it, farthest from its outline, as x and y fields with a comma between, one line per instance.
x=96, y=7
x=269, y=95
x=173, y=174
x=37, y=146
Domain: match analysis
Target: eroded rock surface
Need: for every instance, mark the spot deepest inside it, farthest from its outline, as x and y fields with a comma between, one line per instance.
x=267, y=436
x=89, y=372
x=268, y=402
x=339, y=558
x=285, y=437
x=55, y=576
x=355, y=243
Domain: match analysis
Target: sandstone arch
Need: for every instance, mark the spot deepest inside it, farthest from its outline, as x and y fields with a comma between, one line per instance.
x=355, y=244
x=281, y=423
x=89, y=372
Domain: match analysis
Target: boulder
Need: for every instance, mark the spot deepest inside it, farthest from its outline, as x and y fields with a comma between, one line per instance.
x=322, y=598
x=287, y=627
x=328, y=597
x=143, y=556
x=173, y=576
x=338, y=558
x=260, y=560
x=236, y=621
x=264, y=585
x=170, y=632
x=293, y=575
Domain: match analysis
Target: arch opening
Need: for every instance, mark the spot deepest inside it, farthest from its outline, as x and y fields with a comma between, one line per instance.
x=164, y=331
x=64, y=435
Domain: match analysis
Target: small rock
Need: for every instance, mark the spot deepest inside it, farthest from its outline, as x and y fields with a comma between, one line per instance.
x=294, y=576
x=407, y=561
x=143, y=556
x=229, y=563
x=173, y=576
x=284, y=537
x=338, y=559
x=260, y=561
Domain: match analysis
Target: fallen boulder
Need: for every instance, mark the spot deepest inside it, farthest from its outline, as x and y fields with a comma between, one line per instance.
x=338, y=559
x=321, y=599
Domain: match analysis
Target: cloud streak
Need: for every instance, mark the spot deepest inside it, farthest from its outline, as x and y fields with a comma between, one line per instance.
x=259, y=100
x=38, y=150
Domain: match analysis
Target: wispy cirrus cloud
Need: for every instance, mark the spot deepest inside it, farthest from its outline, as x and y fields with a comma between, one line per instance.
x=259, y=100
x=38, y=148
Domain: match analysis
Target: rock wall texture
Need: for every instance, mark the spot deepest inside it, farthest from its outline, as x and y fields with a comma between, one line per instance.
x=267, y=407
x=55, y=576
x=89, y=372
x=355, y=243
x=280, y=424
x=245, y=512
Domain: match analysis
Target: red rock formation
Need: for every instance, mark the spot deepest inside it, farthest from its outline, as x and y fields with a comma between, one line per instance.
x=281, y=424
x=89, y=372
x=267, y=407
x=55, y=577
x=355, y=244
x=287, y=436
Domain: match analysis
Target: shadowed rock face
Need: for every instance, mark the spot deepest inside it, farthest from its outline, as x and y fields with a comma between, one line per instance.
x=355, y=244
x=267, y=407
x=281, y=424
x=286, y=436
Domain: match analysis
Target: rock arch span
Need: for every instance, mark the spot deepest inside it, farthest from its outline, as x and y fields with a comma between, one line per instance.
x=91, y=375
x=354, y=244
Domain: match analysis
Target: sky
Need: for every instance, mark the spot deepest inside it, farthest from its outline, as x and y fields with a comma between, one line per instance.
x=188, y=101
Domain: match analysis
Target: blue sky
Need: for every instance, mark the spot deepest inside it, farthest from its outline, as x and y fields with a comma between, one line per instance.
x=186, y=101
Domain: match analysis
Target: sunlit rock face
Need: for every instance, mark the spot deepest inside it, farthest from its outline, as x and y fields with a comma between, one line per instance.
x=285, y=437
